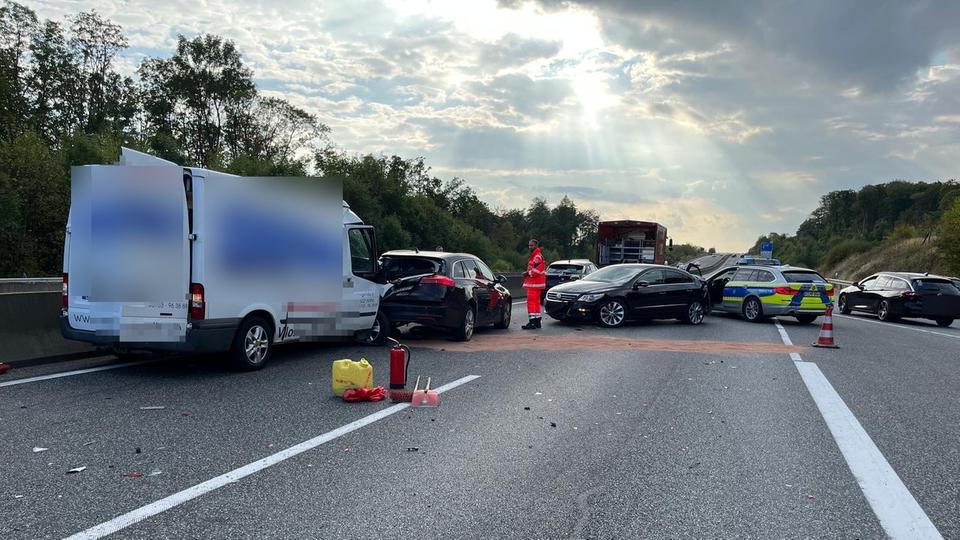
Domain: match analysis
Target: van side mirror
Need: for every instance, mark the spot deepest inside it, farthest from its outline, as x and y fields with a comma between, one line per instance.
x=639, y=284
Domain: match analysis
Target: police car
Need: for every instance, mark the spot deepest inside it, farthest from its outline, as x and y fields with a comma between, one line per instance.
x=756, y=292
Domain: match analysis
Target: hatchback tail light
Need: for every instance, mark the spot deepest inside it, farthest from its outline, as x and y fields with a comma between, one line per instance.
x=65, y=299
x=198, y=304
x=438, y=279
x=789, y=291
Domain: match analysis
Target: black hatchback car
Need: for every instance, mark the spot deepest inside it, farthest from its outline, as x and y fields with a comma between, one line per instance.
x=894, y=295
x=447, y=291
x=620, y=292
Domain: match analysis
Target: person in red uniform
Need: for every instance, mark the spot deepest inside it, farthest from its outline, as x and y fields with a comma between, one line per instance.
x=534, y=281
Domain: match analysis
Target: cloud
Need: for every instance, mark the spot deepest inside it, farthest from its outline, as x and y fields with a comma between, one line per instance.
x=722, y=120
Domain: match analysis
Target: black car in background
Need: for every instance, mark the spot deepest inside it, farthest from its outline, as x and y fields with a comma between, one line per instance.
x=569, y=270
x=454, y=292
x=894, y=295
x=617, y=293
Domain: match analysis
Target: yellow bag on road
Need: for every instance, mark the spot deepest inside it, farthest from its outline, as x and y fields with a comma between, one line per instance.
x=350, y=374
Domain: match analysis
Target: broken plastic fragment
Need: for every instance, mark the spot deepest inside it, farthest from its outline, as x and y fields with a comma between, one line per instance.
x=38, y=449
x=132, y=474
x=76, y=470
x=153, y=408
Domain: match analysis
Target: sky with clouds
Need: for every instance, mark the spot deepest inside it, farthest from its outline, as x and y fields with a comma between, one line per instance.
x=721, y=119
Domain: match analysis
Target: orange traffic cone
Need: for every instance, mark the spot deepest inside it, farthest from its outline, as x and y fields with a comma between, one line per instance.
x=825, y=339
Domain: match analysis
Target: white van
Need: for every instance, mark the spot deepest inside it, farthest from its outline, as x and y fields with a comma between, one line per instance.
x=169, y=258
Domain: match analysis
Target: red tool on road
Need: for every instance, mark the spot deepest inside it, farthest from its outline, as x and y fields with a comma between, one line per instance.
x=4, y=368
x=425, y=397
x=825, y=339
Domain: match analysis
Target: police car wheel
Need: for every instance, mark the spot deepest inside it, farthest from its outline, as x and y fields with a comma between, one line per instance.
x=945, y=322
x=252, y=345
x=752, y=310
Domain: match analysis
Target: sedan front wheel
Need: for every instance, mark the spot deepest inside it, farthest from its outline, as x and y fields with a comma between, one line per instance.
x=612, y=313
x=695, y=313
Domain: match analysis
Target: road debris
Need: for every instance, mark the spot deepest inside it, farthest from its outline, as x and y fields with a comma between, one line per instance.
x=538, y=393
x=38, y=449
x=184, y=413
x=132, y=474
x=155, y=472
x=18, y=496
x=810, y=497
x=137, y=451
x=153, y=408
x=76, y=470
x=413, y=449
x=526, y=408
x=4, y=368
x=88, y=443
x=710, y=363
x=553, y=424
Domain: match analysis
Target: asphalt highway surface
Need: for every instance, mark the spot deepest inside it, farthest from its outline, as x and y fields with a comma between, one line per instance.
x=655, y=430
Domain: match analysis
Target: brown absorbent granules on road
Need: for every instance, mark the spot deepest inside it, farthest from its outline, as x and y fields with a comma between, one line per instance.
x=513, y=342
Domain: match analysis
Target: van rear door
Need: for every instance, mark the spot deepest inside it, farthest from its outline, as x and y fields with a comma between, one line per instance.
x=128, y=262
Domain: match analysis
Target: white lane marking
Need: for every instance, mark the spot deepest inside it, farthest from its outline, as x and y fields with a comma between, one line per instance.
x=123, y=521
x=899, y=513
x=871, y=321
x=783, y=335
x=72, y=373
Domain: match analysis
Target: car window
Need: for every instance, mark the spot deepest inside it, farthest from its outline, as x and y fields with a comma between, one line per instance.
x=361, y=251
x=869, y=284
x=883, y=284
x=458, y=271
x=653, y=277
x=803, y=276
x=898, y=284
x=564, y=269
x=400, y=267
x=471, y=269
x=744, y=274
x=484, y=270
x=672, y=277
x=935, y=286
x=764, y=276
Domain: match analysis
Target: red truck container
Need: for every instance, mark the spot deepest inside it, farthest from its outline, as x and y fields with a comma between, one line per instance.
x=629, y=241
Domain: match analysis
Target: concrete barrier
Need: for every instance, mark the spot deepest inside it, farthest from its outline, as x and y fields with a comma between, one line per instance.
x=29, y=328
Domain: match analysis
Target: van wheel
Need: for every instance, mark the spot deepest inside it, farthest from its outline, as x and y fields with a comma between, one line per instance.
x=253, y=345
x=753, y=309
x=382, y=329
x=465, y=331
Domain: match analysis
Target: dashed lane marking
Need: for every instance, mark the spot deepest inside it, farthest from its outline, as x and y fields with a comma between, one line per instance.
x=899, y=513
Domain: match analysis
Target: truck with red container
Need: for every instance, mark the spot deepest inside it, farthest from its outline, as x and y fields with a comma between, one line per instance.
x=630, y=241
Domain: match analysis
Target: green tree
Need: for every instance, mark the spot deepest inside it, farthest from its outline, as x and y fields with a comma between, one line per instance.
x=948, y=241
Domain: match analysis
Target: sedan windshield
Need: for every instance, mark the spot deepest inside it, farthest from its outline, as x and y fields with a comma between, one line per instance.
x=614, y=274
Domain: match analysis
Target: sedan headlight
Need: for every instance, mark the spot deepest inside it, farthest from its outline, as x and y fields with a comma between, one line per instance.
x=591, y=297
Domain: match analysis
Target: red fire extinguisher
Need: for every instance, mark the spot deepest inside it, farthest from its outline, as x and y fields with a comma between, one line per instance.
x=399, y=362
